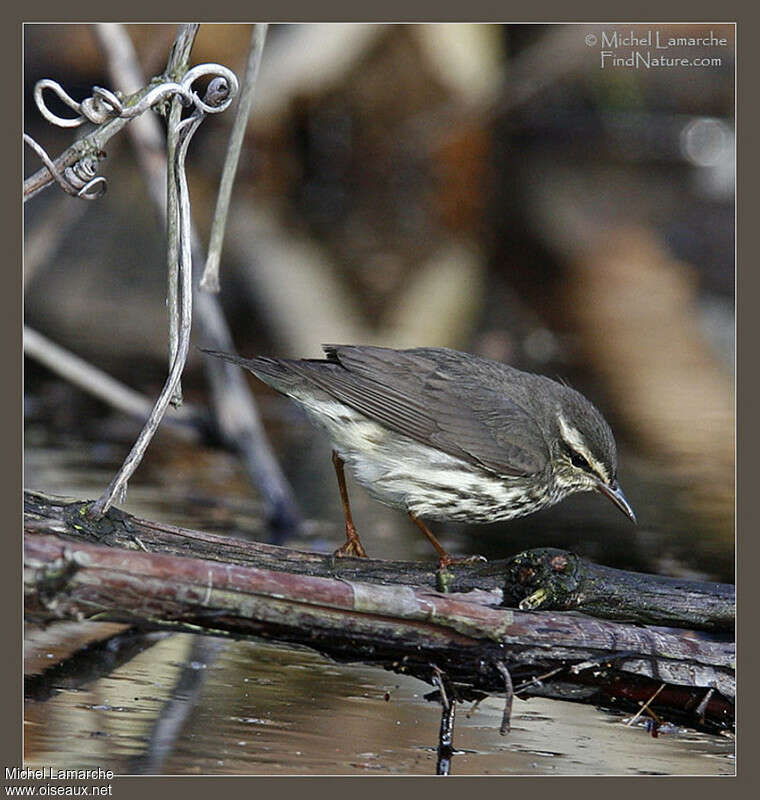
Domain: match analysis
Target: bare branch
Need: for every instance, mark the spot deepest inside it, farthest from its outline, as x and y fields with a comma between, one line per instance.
x=124, y=70
x=42, y=243
x=210, y=279
x=178, y=63
x=179, y=56
x=82, y=374
x=118, y=485
x=179, y=60
x=96, y=382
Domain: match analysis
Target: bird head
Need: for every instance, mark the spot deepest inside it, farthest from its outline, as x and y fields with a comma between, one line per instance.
x=583, y=450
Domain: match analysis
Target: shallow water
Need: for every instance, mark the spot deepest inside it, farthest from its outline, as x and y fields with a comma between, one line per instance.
x=190, y=705
x=254, y=708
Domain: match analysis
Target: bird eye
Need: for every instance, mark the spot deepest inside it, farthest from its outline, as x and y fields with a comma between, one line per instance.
x=579, y=461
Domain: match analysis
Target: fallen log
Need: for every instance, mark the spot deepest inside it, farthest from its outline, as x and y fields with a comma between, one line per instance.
x=388, y=614
x=544, y=578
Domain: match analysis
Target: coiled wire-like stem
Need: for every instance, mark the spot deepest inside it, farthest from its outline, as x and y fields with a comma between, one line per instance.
x=75, y=171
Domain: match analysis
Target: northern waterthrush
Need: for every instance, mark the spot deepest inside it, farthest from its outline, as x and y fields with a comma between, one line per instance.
x=446, y=435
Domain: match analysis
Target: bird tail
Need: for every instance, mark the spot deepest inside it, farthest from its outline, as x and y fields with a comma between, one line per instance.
x=275, y=372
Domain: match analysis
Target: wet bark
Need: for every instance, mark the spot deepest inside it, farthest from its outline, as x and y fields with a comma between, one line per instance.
x=387, y=614
x=547, y=578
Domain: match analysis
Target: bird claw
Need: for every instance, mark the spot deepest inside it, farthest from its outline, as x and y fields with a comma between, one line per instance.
x=351, y=549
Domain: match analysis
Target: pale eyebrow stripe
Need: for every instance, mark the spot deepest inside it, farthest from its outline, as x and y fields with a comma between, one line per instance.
x=573, y=438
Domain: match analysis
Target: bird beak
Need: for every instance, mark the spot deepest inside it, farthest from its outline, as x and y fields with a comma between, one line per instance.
x=615, y=493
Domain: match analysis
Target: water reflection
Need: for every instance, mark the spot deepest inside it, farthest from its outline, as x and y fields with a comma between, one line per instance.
x=255, y=708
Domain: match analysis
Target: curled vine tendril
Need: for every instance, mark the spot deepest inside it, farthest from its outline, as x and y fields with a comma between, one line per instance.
x=96, y=109
x=81, y=179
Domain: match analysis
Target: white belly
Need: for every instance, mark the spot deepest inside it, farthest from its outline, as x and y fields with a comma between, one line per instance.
x=405, y=474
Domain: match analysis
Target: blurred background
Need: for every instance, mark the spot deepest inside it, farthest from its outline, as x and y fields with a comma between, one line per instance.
x=508, y=190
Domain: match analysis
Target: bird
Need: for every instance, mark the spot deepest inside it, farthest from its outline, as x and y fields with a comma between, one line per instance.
x=445, y=435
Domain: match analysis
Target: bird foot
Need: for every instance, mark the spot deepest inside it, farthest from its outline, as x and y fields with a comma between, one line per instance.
x=352, y=548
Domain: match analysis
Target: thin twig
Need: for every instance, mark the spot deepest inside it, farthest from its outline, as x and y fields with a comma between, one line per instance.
x=474, y=707
x=218, y=95
x=124, y=70
x=172, y=243
x=210, y=279
x=645, y=707
x=702, y=707
x=96, y=382
x=446, y=730
x=89, y=187
x=43, y=242
x=506, y=719
x=179, y=60
x=179, y=56
x=446, y=740
x=439, y=679
x=598, y=662
x=536, y=681
x=118, y=485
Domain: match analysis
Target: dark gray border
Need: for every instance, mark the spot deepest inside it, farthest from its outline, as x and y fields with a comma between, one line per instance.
x=747, y=294
x=11, y=678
